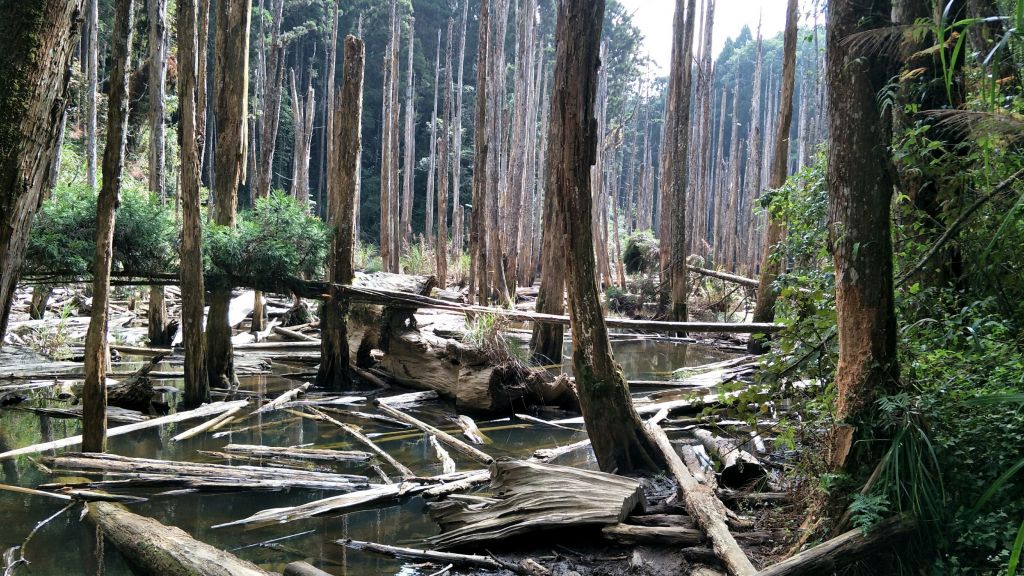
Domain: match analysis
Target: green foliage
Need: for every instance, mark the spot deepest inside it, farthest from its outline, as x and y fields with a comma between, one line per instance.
x=367, y=258
x=63, y=238
x=52, y=342
x=418, y=261
x=275, y=241
x=488, y=332
x=641, y=255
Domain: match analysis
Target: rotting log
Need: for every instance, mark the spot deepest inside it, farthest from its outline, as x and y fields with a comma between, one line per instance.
x=299, y=453
x=533, y=496
x=663, y=535
x=739, y=467
x=843, y=550
x=156, y=549
x=445, y=437
x=212, y=423
x=704, y=507
x=282, y=399
x=358, y=435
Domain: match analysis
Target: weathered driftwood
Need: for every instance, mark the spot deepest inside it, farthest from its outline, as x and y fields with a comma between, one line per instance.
x=843, y=550
x=409, y=399
x=704, y=507
x=303, y=569
x=546, y=454
x=299, y=453
x=164, y=550
x=532, y=496
x=447, y=464
x=292, y=334
x=470, y=430
x=114, y=414
x=471, y=480
x=468, y=560
x=741, y=280
x=202, y=411
x=739, y=467
x=358, y=435
x=72, y=494
x=445, y=437
x=211, y=424
x=322, y=401
x=663, y=535
x=196, y=474
x=281, y=400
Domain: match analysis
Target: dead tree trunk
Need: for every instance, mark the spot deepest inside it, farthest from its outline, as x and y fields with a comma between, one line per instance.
x=458, y=244
x=546, y=340
x=764, y=309
x=303, y=110
x=157, y=71
x=34, y=77
x=613, y=425
x=334, y=351
x=752, y=178
x=410, y=147
x=441, y=251
x=495, y=91
x=271, y=100
x=97, y=358
x=231, y=90
x=521, y=132
x=477, y=234
x=388, y=135
x=428, y=227
x=91, y=129
x=733, y=186
x=860, y=190
x=197, y=388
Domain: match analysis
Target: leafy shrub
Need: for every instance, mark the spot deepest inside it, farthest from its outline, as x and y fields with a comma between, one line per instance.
x=642, y=253
x=276, y=241
x=63, y=238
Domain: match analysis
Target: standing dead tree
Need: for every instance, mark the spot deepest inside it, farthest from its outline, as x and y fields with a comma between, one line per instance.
x=334, y=351
x=478, y=235
x=458, y=240
x=389, y=145
x=97, y=355
x=410, y=147
x=270, y=99
x=303, y=111
x=157, y=315
x=428, y=226
x=441, y=251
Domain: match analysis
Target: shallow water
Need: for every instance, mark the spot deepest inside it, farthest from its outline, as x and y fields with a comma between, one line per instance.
x=67, y=545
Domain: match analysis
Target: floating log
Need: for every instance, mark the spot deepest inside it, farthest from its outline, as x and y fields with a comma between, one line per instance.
x=436, y=557
x=662, y=535
x=358, y=435
x=533, y=496
x=282, y=399
x=843, y=550
x=202, y=411
x=325, y=401
x=704, y=507
x=445, y=437
x=164, y=550
x=546, y=454
x=471, y=480
x=206, y=475
x=210, y=424
x=410, y=399
x=303, y=569
x=739, y=468
x=317, y=454
x=114, y=414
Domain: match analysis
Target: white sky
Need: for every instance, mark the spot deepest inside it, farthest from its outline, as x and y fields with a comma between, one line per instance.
x=654, y=19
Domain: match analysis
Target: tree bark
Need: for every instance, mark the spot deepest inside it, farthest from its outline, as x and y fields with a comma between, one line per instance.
x=157, y=326
x=388, y=135
x=334, y=350
x=303, y=110
x=752, y=177
x=441, y=251
x=39, y=41
x=92, y=90
x=271, y=100
x=97, y=356
x=730, y=232
x=764, y=309
x=410, y=147
x=478, y=236
x=618, y=436
x=231, y=90
x=428, y=227
x=197, y=388
x=860, y=190
x=459, y=223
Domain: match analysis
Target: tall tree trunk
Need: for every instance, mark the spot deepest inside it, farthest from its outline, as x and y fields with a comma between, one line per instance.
x=496, y=177
x=271, y=101
x=734, y=182
x=387, y=183
x=329, y=104
x=334, y=353
x=441, y=252
x=197, y=387
x=92, y=92
x=459, y=224
x=477, y=234
x=764, y=309
x=612, y=423
x=410, y=146
x=522, y=131
x=428, y=227
x=39, y=41
x=157, y=71
x=97, y=356
x=860, y=191
x=678, y=142
x=231, y=83
x=303, y=110
x=599, y=221
x=717, y=215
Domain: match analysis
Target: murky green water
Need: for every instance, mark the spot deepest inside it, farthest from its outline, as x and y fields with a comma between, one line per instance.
x=67, y=546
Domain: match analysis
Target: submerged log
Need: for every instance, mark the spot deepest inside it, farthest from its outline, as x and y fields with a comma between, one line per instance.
x=303, y=569
x=532, y=496
x=156, y=549
x=358, y=435
x=739, y=467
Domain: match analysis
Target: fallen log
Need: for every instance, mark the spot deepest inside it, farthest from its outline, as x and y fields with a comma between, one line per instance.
x=704, y=507
x=468, y=560
x=299, y=453
x=114, y=414
x=843, y=550
x=212, y=423
x=292, y=334
x=546, y=454
x=282, y=399
x=739, y=467
x=533, y=496
x=202, y=411
x=735, y=279
x=662, y=535
x=164, y=550
x=358, y=435
x=303, y=569
x=409, y=399
x=447, y=438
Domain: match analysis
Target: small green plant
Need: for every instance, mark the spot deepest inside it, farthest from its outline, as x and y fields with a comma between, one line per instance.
x=53, y=343
x=642, y=253
x=418, y=261
x=486, y=331
x=367, y=258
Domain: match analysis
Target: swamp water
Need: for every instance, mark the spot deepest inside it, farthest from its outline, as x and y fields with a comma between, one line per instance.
x=68, y=546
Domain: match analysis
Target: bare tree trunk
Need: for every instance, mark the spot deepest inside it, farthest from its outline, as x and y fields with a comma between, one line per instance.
x=329, y=106
x=92, y=90
x=410, y=147
x=271, y=102
x=495, y=90
x=303, y=110
x=441, y=251
x=387, y=183
x=860, y=191
x=478, y=236
x=752, y=178
x=428, y=228
x=678, y=143
x=717, y=213
x=613, y=425
x=334, y=352
x=729, y=243
x=764, y=309
x=157, y=325
x=459, y=223
x=197, y=388
x=527, y=230
x=597, y=175
x=231, y=85
x=97, y=356
x=522, y=131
